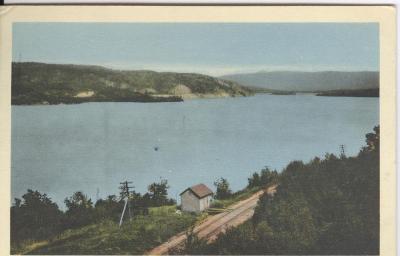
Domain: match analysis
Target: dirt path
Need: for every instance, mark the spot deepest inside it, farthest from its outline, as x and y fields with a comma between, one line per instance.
x=214, y=225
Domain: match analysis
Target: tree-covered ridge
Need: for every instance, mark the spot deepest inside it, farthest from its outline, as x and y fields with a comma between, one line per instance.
x=38, y=83
x=327, y=206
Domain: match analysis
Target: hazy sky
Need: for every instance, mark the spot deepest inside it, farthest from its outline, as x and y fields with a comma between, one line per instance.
x=211, y=48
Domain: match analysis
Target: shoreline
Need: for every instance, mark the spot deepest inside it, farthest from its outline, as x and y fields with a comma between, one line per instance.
x=159, y=98
x=164, y=98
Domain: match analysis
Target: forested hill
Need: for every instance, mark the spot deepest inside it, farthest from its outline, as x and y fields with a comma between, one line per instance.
x=328, y=206
x=40, y=83
x=308, y=81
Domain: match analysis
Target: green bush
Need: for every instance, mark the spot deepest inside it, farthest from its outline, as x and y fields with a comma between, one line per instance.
x=327, y=206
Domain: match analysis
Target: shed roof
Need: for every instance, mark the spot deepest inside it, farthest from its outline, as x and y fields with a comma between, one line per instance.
x=199, y=190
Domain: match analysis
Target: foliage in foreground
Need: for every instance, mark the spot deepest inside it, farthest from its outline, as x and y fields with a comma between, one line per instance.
x=259, y=180
x=134, y=237
x=236, y=197
x=223, y=190
x=327, y=206
x=35, y=217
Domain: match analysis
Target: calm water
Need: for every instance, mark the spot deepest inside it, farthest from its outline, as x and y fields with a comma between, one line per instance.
x=92, y=147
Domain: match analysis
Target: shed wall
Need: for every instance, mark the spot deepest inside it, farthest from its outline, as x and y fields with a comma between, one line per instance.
x=205, y=203
x=189, y=202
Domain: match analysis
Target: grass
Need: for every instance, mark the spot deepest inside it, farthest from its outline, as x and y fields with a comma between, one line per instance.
x=28, y=246
x=137, y=236
x=236, y=197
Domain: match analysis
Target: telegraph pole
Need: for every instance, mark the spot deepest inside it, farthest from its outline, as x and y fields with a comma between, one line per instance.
x=125, y=195
x=342, y=151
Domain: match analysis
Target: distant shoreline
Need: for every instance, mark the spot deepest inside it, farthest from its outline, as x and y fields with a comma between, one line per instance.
x=370, y=93
x=71, y=101
x=153, y=99
x=167, y=98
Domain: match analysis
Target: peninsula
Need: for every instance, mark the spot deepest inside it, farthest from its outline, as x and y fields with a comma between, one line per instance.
x=39, y=83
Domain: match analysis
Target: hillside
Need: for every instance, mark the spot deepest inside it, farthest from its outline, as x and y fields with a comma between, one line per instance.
x=308, y=81
x=328, y=206
x=39, y=83
x=105, y=237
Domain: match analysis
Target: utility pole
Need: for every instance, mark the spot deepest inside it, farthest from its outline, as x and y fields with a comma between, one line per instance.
x=125, y=195
x=342, y=151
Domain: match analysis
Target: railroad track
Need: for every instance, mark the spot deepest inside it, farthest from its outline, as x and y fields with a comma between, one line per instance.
x=217, y=224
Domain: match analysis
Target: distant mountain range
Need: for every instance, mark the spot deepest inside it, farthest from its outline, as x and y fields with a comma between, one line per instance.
x=40, y=83
x=308, y=81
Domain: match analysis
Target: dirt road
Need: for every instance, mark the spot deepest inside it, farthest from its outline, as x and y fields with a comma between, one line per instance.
x=211, y=227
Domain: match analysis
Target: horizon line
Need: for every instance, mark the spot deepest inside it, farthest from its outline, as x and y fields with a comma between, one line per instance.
x=240, y=71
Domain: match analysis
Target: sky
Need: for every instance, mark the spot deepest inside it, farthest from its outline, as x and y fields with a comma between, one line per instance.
x=208, y=48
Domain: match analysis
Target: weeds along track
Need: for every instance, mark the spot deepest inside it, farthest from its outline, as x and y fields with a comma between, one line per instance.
x=214, y=225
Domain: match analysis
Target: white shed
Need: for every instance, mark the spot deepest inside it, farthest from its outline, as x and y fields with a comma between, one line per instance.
x=196, y=198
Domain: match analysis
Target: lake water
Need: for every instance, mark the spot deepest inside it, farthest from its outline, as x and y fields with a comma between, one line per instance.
x=92, y=147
